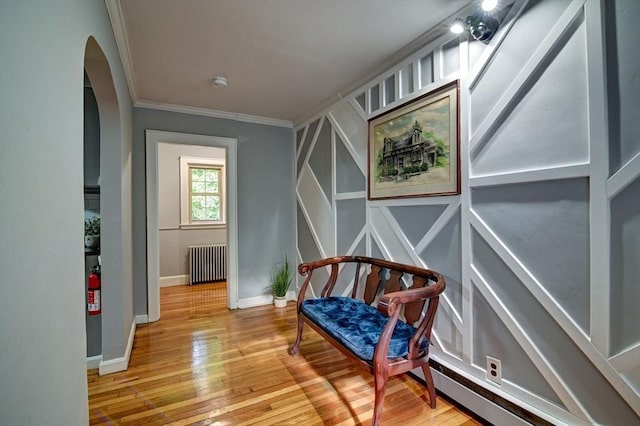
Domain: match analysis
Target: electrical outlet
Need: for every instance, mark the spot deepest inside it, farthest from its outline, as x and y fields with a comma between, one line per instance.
x=494, y=370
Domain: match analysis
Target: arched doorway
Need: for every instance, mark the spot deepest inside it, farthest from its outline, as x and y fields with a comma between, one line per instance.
x=110, y=189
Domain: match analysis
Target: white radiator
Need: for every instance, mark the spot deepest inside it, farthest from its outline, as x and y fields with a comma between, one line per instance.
x=207, y=263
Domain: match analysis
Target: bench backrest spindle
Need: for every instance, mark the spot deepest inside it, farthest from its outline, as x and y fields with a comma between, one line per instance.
x=331, y=282
x=413, y=310
x=356, y=279
x=393, y=282
x=373, y=284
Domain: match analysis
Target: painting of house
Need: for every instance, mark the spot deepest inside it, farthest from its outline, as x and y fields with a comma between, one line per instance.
x=413, y=154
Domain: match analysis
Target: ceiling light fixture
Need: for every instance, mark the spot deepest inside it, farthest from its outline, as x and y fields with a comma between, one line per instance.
x=481, y=25
x=489, y=5
x=220, y=82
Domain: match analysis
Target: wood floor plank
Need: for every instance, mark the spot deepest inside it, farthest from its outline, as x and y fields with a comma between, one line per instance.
x=203, y=364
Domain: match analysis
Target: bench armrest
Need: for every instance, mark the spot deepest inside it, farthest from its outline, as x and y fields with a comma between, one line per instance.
x=388, y=303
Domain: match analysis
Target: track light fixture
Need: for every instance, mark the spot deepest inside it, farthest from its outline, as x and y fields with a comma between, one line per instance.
x=481, y=25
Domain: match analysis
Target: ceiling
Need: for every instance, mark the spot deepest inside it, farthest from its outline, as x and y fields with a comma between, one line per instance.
x=283, y=59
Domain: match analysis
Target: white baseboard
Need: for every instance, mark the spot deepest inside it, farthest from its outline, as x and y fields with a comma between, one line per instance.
x=255, y=301
x=173, y=280
x=142, y=319
x=93, y=362
x=265, y=299
x=119, y=364
x=474, y=402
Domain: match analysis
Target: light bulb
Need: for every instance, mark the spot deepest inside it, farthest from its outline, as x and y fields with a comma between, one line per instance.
x=489, y=5
x=458, y=26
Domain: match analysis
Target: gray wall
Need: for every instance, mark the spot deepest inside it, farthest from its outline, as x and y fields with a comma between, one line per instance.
x=265, y=194
x=525, y=247
x=91, y=137
x=42, y=321
x=174, y=242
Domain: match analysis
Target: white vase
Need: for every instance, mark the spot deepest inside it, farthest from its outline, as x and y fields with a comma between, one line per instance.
x=91, y=241
x=280, y=302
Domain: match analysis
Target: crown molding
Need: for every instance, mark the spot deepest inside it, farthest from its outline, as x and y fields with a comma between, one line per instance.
x=122, y=42
x=214, y=113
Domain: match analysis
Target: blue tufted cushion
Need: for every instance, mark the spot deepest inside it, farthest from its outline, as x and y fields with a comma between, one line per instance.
x=358, y=326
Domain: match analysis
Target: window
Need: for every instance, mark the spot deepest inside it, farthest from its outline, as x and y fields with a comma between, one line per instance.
x=202, y=192
x=205, y=201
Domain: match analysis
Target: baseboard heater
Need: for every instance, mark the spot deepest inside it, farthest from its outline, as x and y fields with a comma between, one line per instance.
x=207, y=263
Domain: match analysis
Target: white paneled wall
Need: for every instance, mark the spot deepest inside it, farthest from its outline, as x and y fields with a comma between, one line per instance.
x=529, y=245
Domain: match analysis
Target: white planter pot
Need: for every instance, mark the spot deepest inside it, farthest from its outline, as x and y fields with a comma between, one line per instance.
x=91, y=241
x=280, y=302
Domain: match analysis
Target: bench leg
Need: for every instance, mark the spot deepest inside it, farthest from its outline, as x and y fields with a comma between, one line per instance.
x=294, y=349
x=432, y=390
x=380, y=379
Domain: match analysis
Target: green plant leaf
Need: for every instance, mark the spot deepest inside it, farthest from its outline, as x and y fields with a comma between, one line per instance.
x=280, y=279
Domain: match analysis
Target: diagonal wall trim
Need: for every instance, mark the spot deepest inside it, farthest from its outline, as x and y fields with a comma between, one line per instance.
x=360, y=162
x=435, y=341
x=321, y=210
x=312, y=144
x=542, y=364
x=373, y=234
x=402, y=239
x=556, y=311
x=488, y=54
x=437, y=226
x=302, y=139
x=451, y=311
x=536, y=65
x=624, y=177
x=357, y=241
x=393, y=225
x=308, y=171
x=314, y=234
x=627, y=360
x=356, y=106
x=362, y=235
x=569, y=171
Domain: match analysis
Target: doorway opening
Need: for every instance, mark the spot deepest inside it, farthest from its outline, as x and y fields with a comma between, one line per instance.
x=103, y=138
x=168, y=234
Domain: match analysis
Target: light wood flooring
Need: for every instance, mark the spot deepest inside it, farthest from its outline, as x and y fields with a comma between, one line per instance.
x=204, y=364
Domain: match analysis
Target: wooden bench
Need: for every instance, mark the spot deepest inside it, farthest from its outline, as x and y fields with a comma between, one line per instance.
x=388, y=339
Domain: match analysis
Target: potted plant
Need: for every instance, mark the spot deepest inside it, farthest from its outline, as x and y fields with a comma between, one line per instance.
x=279, y=283
x=92, y=232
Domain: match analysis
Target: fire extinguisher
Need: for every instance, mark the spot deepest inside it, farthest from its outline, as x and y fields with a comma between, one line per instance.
x=93, y=294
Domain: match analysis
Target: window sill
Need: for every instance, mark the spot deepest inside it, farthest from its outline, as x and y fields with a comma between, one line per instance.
x=203, y=225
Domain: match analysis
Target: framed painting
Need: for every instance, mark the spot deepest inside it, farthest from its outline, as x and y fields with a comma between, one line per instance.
x=414, y=148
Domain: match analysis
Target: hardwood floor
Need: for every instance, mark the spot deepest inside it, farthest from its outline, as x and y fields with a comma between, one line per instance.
x=204, y=364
